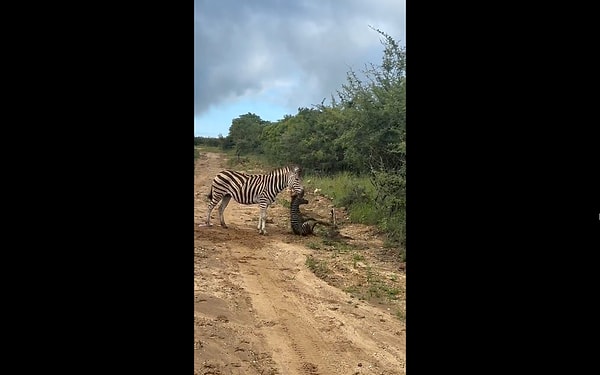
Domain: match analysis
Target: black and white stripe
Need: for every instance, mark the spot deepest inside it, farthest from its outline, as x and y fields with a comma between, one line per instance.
x=299, y=226
x=252, y=189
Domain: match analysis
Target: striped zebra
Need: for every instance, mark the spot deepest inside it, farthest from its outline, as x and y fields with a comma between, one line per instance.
x=299, y=226
x=252, y=189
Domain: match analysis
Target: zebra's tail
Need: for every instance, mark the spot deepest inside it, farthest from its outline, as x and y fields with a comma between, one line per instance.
x=209, y=195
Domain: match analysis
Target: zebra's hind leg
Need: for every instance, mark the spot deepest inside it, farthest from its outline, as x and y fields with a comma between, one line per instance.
x=259, y=222
x=210, y=208
x=224, y=203
x=207, y=221
x=262, y=219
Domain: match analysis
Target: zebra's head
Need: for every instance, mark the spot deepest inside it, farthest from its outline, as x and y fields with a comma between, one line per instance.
x=295, y=181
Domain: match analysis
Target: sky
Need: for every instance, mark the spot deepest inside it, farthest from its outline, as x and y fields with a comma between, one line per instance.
x=271, y=57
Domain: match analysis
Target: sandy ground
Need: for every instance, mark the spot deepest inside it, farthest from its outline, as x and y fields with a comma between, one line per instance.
x=258, y=308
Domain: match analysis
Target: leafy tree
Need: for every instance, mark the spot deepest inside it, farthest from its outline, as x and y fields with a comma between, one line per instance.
x=374, y=135
x=245, y=132
x=375, y=112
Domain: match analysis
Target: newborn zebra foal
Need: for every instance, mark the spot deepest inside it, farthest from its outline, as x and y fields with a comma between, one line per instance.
x=298, y=226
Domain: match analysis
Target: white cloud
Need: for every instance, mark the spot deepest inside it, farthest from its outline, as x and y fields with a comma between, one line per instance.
x=295, y=52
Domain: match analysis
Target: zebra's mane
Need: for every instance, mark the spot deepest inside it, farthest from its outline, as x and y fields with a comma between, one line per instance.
x=286, y=169
x=289, y=168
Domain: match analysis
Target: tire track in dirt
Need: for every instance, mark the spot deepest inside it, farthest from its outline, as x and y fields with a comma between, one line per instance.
x=302, y=349
x=317, y=331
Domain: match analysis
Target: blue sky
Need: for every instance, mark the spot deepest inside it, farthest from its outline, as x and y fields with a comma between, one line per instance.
x=270, y=57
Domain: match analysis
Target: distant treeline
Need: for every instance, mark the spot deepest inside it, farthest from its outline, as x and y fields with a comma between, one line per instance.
x=213, y=142
x=362, y=132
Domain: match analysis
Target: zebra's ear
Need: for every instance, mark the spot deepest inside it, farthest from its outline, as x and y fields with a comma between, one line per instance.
x=297, y=170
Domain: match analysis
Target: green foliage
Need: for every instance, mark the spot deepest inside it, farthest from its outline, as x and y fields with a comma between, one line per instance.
x=227, y=143
x=376, y=115
x=344, y=188
x=364, y=213
x=307, y=139
x=355, y=195
x=366, y=202
x=395, y=228
x=245, y=132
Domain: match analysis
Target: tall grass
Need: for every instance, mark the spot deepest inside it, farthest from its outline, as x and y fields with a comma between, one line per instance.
x=346, y=190
x=358, y=194
x=343, y=188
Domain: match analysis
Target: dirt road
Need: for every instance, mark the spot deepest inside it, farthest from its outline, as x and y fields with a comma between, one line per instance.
x=258, y=308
